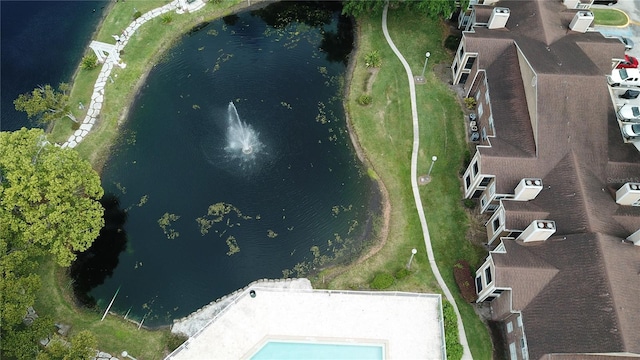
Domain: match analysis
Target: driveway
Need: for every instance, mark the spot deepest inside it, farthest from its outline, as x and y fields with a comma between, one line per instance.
x=632, y=30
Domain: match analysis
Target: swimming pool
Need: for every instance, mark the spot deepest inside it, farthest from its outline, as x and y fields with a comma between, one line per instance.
x=307, y=350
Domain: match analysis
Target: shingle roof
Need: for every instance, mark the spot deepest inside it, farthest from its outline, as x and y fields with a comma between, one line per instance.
x=578, y=290
x=581, y=295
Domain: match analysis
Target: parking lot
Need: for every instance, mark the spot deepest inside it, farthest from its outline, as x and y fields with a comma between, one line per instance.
x=631, y=31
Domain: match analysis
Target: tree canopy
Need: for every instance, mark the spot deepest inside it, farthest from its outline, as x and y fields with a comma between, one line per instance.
x=49, y=196
x=432, y=8
x=45, y=103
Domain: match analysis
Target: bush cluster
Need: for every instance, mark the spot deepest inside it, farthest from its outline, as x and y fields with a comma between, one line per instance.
x=382, y=281
x=372, y=59
x=454, y=349
x=364, y=99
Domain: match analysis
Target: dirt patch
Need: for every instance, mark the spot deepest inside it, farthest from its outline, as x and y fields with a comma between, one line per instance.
x=371, y=77
x=464, y=279
x=477, y=232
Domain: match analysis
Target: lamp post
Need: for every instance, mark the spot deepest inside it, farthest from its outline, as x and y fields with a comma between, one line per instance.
x=424, y=68
x=413, y=252
x=433, y=161
x=125, y=354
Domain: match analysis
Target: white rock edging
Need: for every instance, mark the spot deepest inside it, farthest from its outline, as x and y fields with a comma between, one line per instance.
x=97, y=98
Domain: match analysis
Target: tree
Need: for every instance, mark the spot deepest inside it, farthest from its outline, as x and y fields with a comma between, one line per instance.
x=46, y=103
x=49, y=197
x=82, y=346
x=21, y=342
x=432, y=8
x=89, y=62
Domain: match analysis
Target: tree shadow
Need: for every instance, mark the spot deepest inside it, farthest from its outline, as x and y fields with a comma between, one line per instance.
x=93, y=266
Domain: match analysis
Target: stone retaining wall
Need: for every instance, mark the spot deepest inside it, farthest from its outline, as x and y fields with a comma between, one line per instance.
x=197, y=320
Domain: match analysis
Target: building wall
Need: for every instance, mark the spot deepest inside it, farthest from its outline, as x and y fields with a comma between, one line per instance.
x=529, y=79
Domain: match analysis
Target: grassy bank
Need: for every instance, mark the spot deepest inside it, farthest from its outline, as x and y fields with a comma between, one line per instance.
x=114, y=334
x=384, y=130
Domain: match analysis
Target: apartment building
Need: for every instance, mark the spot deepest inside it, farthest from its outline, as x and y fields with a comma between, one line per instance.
x=559, y=186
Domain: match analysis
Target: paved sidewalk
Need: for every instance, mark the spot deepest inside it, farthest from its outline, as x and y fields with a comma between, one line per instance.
x=416, y=193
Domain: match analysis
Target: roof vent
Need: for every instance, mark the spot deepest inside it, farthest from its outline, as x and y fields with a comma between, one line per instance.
x=528, y=189
x=581, y=21
x=538, y=230
x=499, y=17
x=635, y=238
x=629, y=194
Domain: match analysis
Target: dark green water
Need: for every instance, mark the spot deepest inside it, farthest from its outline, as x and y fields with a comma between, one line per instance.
x=190, y=220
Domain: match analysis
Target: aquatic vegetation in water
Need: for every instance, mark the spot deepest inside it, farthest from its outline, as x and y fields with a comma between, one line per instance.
x=143, y=200
x=232, y=243
x=285, y=104
x=216, y=213
x=322, y=114
x=119, y=186
x=165, y=224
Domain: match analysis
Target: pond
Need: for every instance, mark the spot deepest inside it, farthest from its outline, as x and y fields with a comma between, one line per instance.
x=234, y=165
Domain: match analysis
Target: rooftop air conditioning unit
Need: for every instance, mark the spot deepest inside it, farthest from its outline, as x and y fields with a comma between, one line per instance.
x=629, y=194
x=571, y=4
x=635, y=238
x=581, y=21
x=527, y=189
x=499, y=17
x=538, y=230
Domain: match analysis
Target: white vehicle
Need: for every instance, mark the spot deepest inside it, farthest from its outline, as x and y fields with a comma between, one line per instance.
x=624, y=77
x=629, y=113
x=631, y=130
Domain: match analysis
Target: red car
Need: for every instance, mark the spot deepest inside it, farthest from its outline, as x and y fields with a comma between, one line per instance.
x=628, y=62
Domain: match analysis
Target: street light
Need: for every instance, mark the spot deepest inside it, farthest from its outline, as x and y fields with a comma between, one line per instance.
x=413, y=252
x=125, y=354
x=425, y=63
x=433, y=161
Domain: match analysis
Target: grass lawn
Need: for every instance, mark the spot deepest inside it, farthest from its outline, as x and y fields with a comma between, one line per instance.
x=384, y=130
x=114, y=334
x=610, y=17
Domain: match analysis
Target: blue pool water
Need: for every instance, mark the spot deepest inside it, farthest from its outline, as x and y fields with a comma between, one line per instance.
x=302, y=350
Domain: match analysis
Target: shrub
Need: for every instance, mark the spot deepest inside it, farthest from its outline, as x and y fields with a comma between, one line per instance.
x=470, y=102
x=452, y=340
x=372, y=59
x=464, y=279
x=402, y=273
x=382, y=281
x=364, y=99
x=89, y=62
x=469, y=204
x=166, y=18
x=136, y=14
x=452, y=42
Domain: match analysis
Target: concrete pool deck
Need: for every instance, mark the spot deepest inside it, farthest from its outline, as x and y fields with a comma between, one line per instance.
x=408, y=325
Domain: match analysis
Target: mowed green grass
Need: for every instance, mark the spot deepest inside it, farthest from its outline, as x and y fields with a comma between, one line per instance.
x=384, y=130
x=114, y=334
x=609, y=17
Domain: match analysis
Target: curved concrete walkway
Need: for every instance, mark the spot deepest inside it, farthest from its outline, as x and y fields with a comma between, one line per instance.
x=416, y=193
